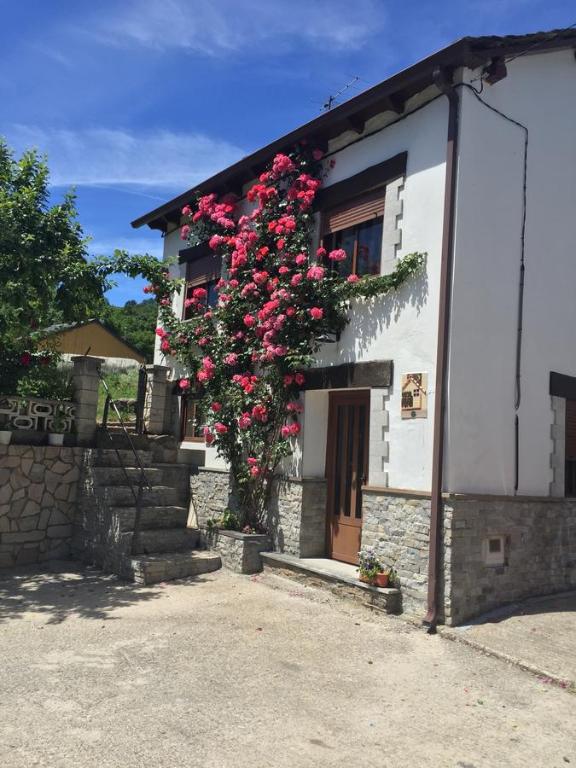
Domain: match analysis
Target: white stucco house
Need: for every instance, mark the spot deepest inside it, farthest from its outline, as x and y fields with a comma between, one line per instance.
x=464, y=382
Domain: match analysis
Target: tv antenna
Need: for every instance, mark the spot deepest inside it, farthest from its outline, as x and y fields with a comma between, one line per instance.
x=333, y=98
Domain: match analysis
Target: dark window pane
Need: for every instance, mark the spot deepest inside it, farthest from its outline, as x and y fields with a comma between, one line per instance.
x=369, y=247
x=344, y=239
x=211, y=298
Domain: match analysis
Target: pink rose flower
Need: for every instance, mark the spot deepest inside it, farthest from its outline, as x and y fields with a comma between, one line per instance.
x=301, y=259
x=315, y=273
x=316, y=313
x=184, y=383
x=352, y=279
x=338, y=255
x=244, y=421
x=220, y=428
x=216, y=407
x=249, y=321
x=184, y=232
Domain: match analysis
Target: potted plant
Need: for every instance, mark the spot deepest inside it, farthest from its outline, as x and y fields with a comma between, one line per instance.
x=5, y=433
x=57, y=426
x=372, y=571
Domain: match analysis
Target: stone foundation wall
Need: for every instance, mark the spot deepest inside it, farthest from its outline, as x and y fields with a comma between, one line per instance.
x=297, y=517
x=296, y=512
x=398, y=525
x=239, y=552
x=210, y=494
x=539, y=552
x=38, y=492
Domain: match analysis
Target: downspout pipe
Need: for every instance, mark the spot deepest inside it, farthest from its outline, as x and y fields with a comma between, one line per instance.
x=443, y=81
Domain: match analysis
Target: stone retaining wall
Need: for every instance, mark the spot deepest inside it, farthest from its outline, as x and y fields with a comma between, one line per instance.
x=210, y=494
x=539, y=552
x=398, y=525
x=38, y=491
x=240, y=552
x=296, y=512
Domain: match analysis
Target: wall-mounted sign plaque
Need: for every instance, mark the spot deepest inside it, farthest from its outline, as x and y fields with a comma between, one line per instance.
x=414, y=395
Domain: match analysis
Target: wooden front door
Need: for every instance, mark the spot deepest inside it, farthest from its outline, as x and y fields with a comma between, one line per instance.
x=346, y=471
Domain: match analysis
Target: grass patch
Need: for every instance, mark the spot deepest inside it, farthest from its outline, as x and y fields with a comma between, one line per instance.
x=123, y=385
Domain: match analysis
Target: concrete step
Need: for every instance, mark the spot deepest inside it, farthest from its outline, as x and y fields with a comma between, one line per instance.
x=150, y=569
x=157, y=496
x=109, y=458
x=152, y=517
x=174, y=475
x=117, y=438
x=339, y=578
x=168, y=540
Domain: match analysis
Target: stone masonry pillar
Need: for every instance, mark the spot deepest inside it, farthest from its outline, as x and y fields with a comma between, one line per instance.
x=86, y=384
x=156, y=410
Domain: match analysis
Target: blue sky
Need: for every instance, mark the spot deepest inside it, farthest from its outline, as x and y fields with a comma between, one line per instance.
x=134, y=101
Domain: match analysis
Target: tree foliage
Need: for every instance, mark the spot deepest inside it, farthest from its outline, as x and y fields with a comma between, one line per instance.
x=135, y=322
x=45, y=276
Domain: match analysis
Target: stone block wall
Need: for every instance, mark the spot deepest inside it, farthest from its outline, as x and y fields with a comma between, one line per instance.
x=398, y=525
x=239, y=552
x=296, y=512
x=539, y=552
x=297, y=517
x=38, y=493
x=210, y=494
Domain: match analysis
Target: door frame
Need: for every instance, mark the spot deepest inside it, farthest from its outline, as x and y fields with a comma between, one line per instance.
x=343, y=397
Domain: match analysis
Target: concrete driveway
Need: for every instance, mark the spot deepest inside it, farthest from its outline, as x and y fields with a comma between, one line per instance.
x=228, y=671
x=538, y=634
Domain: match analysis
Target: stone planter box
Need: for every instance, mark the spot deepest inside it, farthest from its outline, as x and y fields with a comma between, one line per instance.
x=239, y=552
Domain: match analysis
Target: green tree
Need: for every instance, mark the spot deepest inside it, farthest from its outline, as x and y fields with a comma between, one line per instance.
x=136, y=323
x=45, y=275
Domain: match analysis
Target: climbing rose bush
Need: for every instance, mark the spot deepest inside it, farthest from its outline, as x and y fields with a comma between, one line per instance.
x=246, y=358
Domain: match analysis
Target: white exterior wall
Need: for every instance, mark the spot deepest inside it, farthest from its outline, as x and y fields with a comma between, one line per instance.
x=401, y=327
x=540, y=91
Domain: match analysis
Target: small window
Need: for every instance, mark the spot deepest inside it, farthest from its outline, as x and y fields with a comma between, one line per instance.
x=356, y=227
x=204, y=273
x=495, y=550
x=211, y=295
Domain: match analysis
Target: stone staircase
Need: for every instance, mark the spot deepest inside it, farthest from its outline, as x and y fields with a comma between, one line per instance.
x=167, y=548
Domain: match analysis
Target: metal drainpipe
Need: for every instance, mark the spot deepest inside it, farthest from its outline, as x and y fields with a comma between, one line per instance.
x=444, y=83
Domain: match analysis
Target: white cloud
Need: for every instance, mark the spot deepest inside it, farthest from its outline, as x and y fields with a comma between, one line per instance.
x=101, y=157
x=223, y=26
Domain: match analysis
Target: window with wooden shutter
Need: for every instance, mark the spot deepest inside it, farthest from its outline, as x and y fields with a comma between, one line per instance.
x=204, y=273
x=356, y=227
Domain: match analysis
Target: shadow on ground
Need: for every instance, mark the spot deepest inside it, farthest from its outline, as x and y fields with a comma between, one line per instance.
x=60, y=591
x=560, y=602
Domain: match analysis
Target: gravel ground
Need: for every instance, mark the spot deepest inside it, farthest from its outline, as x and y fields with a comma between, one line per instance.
x=230, y=671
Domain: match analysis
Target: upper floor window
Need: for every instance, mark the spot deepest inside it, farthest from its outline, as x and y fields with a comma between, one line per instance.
x=204, y=273
x=356, y=227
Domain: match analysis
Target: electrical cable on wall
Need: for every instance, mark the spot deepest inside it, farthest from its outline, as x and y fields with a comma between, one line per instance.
x=519, y=329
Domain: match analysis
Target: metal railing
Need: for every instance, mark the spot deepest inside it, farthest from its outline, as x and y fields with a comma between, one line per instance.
x=143, y=481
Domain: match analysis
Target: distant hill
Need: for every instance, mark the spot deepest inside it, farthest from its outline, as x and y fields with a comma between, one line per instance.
x=135, y=322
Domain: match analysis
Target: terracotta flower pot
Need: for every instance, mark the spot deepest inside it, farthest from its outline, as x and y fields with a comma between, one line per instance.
x=381, y=580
